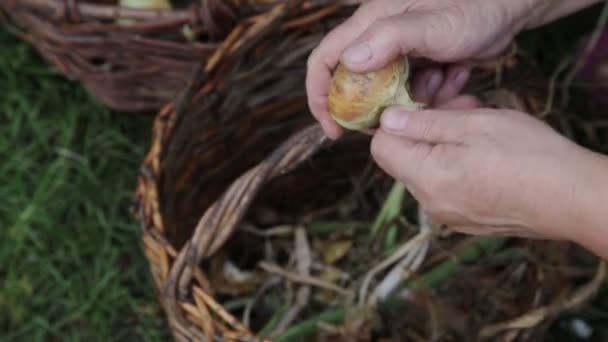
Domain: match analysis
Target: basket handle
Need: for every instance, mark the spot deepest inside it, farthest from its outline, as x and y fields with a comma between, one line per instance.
x=220, y=220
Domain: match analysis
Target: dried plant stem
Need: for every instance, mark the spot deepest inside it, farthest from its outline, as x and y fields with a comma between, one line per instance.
x=131, y=68
x=403, y=251
x=407, y=266
x=297, y=278
x=57, y=8
x=198, y=161
x=591, y=44
x=536, y=316
x=282, y=230
x=304, y=262
x=552, y=85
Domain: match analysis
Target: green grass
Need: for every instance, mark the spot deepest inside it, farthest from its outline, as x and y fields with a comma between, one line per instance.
x=72, y=268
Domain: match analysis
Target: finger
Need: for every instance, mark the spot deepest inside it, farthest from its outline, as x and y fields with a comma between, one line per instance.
x=386, y=39
x=455, y=79
x=462, y=102
x=326, y=56
x=426, y=84
x=430, y=126
x=401, y=158
x=321, y=62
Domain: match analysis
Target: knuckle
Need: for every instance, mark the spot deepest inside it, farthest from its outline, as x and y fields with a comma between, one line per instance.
x=442, y=34
x=450, y=34
x=385, y=27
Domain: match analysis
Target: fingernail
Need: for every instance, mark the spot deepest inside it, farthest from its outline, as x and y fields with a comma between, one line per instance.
x=461, y=77
x=393, y=119
x=357, y=54
x=433, y=83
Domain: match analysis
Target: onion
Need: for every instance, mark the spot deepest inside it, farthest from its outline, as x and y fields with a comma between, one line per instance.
x=146, y=4
x=356, y=100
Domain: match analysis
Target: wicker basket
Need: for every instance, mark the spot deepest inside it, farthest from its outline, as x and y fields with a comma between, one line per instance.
x=239, y=146
x=130, y=59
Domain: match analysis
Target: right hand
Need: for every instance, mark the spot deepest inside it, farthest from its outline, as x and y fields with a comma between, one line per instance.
x=444, y=31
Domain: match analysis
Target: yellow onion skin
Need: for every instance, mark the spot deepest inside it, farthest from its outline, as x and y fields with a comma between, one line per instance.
x=356, y=100
x=156, y=5
x=146, y=4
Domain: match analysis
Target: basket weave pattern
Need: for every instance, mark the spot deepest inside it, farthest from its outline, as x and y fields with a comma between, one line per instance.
x=240, y=136
x=243, y=106
x=134, y=66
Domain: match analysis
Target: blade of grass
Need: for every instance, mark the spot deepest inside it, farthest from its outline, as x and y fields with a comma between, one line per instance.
x=273, y=321
x=448, y=268
x=72, y=268
x=323, y=228
x=391, y=209
x=310, y=326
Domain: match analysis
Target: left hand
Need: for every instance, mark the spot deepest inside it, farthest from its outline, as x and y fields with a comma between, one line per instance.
x=449, y=32
x=486, y=171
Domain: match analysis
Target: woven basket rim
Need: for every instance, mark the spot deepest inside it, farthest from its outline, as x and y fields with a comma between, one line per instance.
x=174, y=271
x=169, y=266
x=84, y=42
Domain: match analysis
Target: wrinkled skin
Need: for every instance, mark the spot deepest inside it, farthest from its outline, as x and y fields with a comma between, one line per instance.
x=486, y=171
x=441, y=30
x=478, y=170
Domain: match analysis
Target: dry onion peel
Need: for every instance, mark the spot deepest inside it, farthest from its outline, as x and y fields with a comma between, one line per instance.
x=356, y=100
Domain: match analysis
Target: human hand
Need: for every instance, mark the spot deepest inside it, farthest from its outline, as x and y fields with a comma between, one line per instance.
x=487, y=171
x=451, y=31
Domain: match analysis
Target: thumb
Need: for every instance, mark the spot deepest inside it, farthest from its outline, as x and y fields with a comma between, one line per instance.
x=403, y=159
x=384, y=40
x=428, y=126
